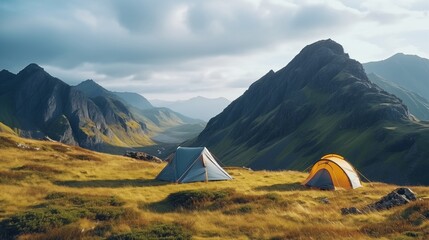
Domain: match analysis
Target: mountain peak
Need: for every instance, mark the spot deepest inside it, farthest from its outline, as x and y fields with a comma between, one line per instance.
x=30, y=69
x=93, y=89
x=89, y=82
x=330, y=44
x=33, y=66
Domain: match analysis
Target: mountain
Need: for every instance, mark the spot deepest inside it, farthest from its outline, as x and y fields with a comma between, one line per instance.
x=135, y=100
x=39, y=105
x=417, y=105
x=321, y=102
x=36, y=105
x=163, y=124
x=197, y=107
x=408, y=71
x=93, y=89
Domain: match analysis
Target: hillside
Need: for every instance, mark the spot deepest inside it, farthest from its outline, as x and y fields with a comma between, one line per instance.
x=37, y=105
x=197, y=107
x=164, y=126
x=69, y=192
x=321, y=102
x=408, y=71
x=417, y=105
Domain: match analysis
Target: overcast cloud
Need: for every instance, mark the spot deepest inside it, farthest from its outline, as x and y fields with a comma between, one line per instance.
x=177, y=49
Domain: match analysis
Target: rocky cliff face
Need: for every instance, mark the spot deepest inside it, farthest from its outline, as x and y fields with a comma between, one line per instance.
x=321, y=102
x=40, y=105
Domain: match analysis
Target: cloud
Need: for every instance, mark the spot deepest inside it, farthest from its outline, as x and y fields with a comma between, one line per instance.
x=180, y=46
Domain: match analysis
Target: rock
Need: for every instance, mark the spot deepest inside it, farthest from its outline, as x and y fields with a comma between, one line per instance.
x=324, y=200
x=143, y=156
x=398, y=197
x=352, y=210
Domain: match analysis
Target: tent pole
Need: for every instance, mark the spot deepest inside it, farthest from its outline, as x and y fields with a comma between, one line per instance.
x=205, y=168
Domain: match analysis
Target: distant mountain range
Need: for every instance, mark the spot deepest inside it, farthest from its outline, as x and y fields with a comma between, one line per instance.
x=417, y=105
x=37, y=105
x=197, y=107
x=406, y=76
x=321, y=102
x=408, y=71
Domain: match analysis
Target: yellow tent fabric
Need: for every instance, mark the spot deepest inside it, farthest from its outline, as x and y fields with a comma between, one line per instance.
x=333, y=172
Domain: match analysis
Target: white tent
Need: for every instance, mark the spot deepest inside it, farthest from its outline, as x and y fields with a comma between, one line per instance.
x=192, y=164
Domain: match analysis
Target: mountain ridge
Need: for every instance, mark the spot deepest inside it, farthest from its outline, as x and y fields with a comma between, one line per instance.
x=408, y=71
x=321, y=102
x=39, y=105
x=197, y=107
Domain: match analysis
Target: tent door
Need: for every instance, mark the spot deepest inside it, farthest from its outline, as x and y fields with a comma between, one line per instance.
x=322, y=179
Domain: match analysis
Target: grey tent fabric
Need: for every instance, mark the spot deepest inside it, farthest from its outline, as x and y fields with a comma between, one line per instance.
x=193, y=164
x=322, y=179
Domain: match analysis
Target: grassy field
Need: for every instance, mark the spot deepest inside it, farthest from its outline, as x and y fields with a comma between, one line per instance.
x=54, y=191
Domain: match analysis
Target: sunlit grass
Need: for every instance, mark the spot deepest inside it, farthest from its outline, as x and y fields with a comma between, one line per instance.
x=28, y=174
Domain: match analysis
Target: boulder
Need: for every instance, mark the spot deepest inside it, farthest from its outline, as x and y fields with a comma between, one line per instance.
x=352, y=210
x=398, y=197
x=143, y=156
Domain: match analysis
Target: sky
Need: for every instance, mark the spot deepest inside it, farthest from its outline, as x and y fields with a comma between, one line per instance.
x=178, y=49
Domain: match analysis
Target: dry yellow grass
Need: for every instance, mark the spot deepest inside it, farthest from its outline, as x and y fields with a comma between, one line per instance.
x=29, y=172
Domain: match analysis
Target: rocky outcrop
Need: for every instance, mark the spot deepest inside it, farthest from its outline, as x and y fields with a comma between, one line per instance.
x=398, y=197
x=143, y=156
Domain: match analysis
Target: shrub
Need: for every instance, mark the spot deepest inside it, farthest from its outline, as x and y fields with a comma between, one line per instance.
x=84, y=200
x=84, y=157
x=102, y=230
x=107, y=213
x=192, y=199
x=219, y=199
x=6, y=142
x=61, y=209
x=158, y=231
x=11, y=177
x=240, y=210
x=417, y=213
x=39, y=220
x=38, y=168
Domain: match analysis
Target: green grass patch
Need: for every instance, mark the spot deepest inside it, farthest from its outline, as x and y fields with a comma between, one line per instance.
x=11, y=177
x=60, y=209
x=84, y=157
x=6, y=142
x=228, y=200
x=38, y=168
x=157, y=231
x=39, y=220
x=417, y=213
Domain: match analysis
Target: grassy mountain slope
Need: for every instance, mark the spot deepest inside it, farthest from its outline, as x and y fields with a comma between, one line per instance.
x=418, y=105
x=70, y=192
x=321, y=102
x=408, y=71
x=40, y=105
x=166, y=128
x=35, y=105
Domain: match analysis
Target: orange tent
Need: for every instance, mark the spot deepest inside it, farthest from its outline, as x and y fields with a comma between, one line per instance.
x=333, y=172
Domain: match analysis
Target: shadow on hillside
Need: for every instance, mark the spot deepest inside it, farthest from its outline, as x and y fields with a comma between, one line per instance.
x=296, y=186
x=111, y=183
